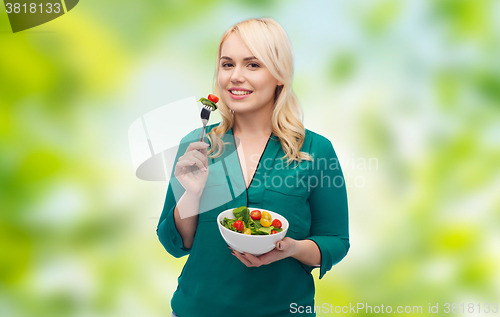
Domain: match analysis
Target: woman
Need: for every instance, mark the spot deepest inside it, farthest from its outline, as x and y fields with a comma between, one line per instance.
x=282, y=166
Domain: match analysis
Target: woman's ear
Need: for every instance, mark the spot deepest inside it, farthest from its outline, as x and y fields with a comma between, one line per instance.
x=279, y=83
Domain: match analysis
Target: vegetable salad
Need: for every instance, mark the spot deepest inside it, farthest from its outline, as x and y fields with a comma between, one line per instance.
x=252, y=223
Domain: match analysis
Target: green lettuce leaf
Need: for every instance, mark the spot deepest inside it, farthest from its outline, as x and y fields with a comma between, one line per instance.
x=208, y=103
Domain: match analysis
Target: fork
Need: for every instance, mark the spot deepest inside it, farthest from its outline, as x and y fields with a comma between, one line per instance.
x=205, y=115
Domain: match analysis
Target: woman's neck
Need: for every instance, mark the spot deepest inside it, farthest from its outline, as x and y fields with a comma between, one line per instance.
x=252, y=125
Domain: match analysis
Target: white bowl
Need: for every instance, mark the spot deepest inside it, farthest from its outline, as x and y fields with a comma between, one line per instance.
x=253, y=244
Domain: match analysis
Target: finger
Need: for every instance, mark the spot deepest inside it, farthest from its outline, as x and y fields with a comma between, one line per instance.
x=203, y=151
x=197, y=146
x=287, y=245
x=181, y=164
x=201, y=154
x=270, y=257
x=191, y=155
x=198, y=163
x=198, y=155
x=242, y=258
x=255, y=261
x=280, y=245
x=187, y=167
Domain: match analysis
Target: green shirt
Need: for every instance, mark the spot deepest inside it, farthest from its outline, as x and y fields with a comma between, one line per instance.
x=311, y=195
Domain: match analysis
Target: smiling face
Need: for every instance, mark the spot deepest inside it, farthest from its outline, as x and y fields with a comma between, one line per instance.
x=246, y=85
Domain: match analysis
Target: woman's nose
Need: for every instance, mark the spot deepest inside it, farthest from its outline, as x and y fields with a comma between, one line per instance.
x=237, y=76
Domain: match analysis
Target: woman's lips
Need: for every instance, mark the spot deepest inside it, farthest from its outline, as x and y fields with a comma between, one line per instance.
x=242, y=96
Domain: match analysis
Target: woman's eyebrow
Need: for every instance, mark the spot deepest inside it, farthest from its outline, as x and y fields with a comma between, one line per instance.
x=245, y=59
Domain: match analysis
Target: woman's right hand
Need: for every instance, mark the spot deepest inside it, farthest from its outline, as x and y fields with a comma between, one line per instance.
x=192, y=168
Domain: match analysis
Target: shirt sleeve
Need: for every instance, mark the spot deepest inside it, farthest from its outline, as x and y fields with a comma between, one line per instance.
x=167, y=232
x=329, y=211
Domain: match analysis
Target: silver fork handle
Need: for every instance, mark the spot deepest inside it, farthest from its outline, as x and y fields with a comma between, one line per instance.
x=203, y=131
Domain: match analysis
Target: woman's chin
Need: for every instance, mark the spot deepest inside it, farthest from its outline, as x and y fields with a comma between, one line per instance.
x=243, y=110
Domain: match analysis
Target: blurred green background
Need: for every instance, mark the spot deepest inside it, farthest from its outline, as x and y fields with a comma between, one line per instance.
x=407, y=91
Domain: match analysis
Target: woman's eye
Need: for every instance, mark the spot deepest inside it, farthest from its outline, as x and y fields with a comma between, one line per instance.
x=253, y=65
x=225, y=65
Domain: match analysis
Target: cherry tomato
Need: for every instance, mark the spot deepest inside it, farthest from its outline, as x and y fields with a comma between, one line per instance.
x=265, y=219
x=276, y=223
x=238, y=225
x=213, y=98
x=265, y=222
x=247, y=231
x=255, y=215
x=274, y=231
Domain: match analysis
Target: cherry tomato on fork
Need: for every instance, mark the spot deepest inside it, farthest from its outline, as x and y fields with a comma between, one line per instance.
x=213, y=98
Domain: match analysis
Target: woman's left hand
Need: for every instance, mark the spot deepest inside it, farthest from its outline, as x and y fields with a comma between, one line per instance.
x=284, y=249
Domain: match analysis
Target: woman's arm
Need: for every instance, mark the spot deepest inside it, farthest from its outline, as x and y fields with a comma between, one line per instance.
x=307, y=252
x=179, y=218
x=329, y=210
x=189, y=204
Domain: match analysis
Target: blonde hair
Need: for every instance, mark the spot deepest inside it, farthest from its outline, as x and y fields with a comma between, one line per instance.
x=268, y=42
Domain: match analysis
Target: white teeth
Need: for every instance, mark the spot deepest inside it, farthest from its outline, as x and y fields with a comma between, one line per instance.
x=240, y=92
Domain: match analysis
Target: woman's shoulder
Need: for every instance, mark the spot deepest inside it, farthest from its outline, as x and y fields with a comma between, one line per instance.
x=316, y=140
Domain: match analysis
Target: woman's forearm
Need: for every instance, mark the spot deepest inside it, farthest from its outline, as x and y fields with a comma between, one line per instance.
x=307, y=252
x=188, y=207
